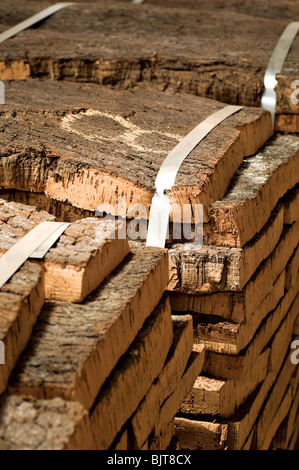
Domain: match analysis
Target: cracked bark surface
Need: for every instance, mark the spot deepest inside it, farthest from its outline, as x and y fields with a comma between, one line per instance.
x=278, y=9
x=255, y=189
x=216, y=53
x=227, y=337
x=74, y=347
x=146, y=416
x=21, y=300
x=132, y=378
x=238, y=306
x=254, y=411
x=81, y=258
x=210, y=268
x=95, y=144
x=29, y=424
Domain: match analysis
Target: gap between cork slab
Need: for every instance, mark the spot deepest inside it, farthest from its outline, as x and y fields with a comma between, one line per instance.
x=64, y=211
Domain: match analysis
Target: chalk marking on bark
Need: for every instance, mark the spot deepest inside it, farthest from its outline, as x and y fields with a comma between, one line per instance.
x=127, y=137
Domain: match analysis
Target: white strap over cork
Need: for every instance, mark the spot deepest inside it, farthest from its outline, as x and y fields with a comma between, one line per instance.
x=33, y=20
x=275, y=66
x=34, y=244
x=160, y=206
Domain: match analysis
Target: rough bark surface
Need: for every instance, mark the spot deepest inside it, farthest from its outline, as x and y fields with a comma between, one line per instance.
x=255, y=190
x=208, y=268
x=288, y=9
x=278, y=322
x=29, y=424
x=216, y=53
x=147, y=414
x=74, y=348
x=240, y=426
x=238, y=306
x=200, y=435
x=84, y=255
x=95, y=145
x=131, y=379
x=21, y=300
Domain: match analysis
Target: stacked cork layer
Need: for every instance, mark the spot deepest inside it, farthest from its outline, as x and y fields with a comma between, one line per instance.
x=240, y=287
x=105, y=354
x=94, y=359
x=245, y=302
x=178, y=47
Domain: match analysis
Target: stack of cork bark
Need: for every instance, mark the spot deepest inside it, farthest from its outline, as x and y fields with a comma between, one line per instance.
x=85, y=367
x=244, y=292
x=105, y=358
x=204, y=48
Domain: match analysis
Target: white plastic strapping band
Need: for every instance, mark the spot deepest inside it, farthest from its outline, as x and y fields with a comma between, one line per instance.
x=33, y=20
x=275, y=66
x=34, y=244
x=160, y=206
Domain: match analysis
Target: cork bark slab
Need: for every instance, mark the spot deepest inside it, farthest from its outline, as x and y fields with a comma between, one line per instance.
x=207, y=268
x=147, y=414
x=237, y=430
x=222, y=397
x=239, y=426
x=242, y=424
x=293, y=445
x=29, y=424
x=234, y=366
x=200, y=435
x=140, y=433
x=94, y=144
x=162, y=439
x=277, y=406
x=131, y=379
x=170, y=408
x=254, y=192
x=121, y=441
x=230, y=338
x=21, y=300
x=77, y=346
x=238, y=306
x=227, y=337
x=282, y=414
x=288, y=427
x=80, y=260
x=279, y=8
x=213, y=53
x=83, y=257
x=291, y=206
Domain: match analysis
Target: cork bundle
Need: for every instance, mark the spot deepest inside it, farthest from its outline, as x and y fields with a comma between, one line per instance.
x=97, y=354
x=114, y=338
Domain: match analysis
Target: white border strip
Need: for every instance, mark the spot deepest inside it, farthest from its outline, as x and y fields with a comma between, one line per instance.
x=16, y=256
x=276, y=62
x=33, y=20
x=160, y=207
